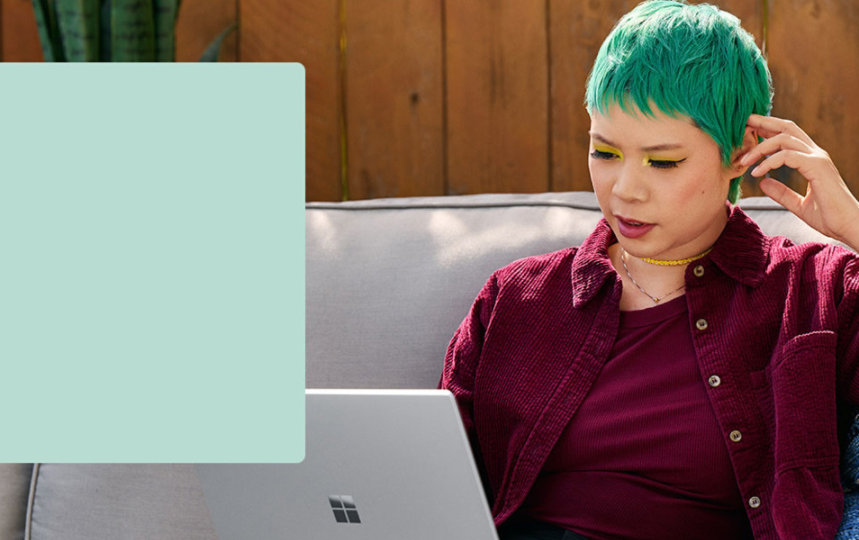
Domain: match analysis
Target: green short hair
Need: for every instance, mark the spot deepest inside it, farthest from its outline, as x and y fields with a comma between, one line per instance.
x=692, y=60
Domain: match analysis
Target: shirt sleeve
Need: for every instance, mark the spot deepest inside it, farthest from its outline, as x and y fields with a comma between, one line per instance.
x=462, y=359
x=848, y=334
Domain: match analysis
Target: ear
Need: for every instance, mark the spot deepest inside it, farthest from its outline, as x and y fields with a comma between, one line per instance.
x=750, y=140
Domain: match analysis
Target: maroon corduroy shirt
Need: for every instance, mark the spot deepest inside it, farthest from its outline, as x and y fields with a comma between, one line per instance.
x=775, y=330
x=644, y=456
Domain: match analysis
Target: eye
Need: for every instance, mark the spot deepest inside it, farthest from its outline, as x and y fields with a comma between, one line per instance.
x=664, y=163
x=599, y=154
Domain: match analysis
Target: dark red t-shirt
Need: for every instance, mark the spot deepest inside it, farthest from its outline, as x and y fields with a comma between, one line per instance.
x=644, y=456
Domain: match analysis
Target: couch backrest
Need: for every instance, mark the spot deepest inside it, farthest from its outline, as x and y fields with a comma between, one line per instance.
x=388, y=281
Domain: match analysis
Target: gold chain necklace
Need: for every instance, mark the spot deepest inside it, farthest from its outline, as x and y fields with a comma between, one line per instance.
x=676, y=262
x=656, y=299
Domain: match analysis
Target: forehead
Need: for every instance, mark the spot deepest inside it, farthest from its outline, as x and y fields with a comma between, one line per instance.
x=635, y=129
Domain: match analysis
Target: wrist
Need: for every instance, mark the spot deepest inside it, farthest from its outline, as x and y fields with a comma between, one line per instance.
x=852, y=242
x=851, y=238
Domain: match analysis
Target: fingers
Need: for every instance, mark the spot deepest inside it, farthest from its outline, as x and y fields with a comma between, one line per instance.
x=781, y=194
x=770, y=126
x=782, y=141
x=792, y=158
x=785, y=144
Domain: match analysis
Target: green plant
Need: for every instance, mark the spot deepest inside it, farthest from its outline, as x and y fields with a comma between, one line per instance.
x=112, y=31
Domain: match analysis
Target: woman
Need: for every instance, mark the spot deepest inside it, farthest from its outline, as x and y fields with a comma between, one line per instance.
x=678, y=374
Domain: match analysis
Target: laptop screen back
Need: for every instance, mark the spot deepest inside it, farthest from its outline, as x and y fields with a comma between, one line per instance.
x=379, y=464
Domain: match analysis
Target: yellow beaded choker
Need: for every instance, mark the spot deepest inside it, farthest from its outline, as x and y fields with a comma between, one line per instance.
x=676, y=262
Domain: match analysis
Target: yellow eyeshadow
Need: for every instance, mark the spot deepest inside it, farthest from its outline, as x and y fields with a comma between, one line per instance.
x=608, y=150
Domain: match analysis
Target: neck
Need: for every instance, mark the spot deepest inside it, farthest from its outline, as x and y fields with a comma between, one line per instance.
x=651, y=272
x=664, y=282
x=676, y=262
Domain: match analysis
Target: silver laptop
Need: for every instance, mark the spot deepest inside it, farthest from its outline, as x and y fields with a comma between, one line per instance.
x=379, y=465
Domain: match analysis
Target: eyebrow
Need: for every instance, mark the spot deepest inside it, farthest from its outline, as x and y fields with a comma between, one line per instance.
x=654, y=148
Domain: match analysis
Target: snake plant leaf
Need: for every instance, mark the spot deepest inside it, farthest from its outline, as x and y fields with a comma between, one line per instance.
x=166, y=12
x=78, y=24
x=49, y=35
x=132, y=31
x=213, y=51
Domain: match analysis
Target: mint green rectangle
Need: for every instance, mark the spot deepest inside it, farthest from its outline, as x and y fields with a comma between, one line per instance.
x=152, y=274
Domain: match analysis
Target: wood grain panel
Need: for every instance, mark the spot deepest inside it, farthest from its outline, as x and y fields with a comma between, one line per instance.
x=497, y=96
x=306, y=32
x=812, y=56
x=20, y=39
x=200, y=22
x=576, y=30
x=394, y=114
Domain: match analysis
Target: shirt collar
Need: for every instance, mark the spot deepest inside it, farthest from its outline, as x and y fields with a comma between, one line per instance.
x=741, y=252
x=591, y=265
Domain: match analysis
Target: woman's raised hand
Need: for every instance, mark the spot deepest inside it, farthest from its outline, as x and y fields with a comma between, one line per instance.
x=828, y=206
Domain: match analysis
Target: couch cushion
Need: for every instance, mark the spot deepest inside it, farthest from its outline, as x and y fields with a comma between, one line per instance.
x=14, y=492
x=121, y=501
x=389, y=280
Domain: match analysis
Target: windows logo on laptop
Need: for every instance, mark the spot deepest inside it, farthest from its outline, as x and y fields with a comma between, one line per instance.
x=344, y=508
x=407, y=461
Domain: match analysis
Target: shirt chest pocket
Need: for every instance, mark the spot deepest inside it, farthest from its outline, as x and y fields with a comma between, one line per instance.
x=797, y=391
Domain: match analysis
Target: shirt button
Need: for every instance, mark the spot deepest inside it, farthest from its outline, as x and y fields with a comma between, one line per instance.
x=736, y=436
x=701, y=324
x=714, y=381
x=754, y=502
x=698, y=271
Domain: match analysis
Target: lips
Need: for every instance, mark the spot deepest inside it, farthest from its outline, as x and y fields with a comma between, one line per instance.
x=631, y=228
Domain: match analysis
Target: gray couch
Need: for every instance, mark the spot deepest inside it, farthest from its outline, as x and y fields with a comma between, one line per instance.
x=388, y=281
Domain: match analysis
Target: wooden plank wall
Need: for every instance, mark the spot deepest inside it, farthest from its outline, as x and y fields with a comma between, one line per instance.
x=432, y=97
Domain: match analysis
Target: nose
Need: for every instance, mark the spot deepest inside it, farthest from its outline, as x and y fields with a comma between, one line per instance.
x=629, y=184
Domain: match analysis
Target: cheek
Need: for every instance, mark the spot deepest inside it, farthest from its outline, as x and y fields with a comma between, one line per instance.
x=702, y=186
x=599, y=178
x=601, y=184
